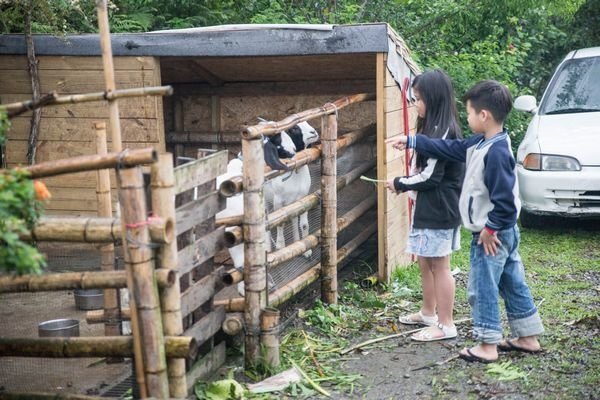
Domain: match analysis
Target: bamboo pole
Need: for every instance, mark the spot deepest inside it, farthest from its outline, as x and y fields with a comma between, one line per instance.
x=233, y=236
x=189, y=137
x=234, y=185
x=269, y=129
x=99, y=316
x=32, y=63
x=127, y=158
x=146, y=320
x=109, y=73
x=232, y=276
x=107, y=251
x=76, y=347
x=255, y=273
x=53, y=99
x=162, y=185
x=328, y=209
x=77, y=280
x=269, y=336
x=94, y=229
x=233, y=323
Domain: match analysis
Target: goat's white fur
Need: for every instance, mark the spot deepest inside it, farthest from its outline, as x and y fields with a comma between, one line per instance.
x=287, y=188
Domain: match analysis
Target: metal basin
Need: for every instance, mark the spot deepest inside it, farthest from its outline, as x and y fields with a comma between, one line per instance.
x=59, y=328
x=89, y=299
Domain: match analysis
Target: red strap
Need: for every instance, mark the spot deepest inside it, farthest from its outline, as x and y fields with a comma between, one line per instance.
x=406, y=132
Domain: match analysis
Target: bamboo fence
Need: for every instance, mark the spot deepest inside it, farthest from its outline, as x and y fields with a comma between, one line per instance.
x=255, y=224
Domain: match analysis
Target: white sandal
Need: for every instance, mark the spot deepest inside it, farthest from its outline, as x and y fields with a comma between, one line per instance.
x=427, y=336
x=423, y=319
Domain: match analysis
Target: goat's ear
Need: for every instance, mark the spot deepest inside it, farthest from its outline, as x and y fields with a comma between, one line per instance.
x=272, y=157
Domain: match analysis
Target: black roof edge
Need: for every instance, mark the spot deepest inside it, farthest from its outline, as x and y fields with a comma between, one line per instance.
x=342, y=39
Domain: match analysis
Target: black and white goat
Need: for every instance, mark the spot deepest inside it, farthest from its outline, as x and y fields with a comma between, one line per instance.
x=275, y=147
x=286, y=189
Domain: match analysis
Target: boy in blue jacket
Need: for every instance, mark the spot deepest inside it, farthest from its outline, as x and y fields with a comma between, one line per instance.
x=489, y=206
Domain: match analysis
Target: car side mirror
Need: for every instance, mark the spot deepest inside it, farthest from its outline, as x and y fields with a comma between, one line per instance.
x=526, y=103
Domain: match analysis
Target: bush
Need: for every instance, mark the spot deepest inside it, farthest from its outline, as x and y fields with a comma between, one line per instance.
x=20, y=207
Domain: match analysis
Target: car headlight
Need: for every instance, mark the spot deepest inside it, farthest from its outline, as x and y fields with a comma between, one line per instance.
x=550, y=162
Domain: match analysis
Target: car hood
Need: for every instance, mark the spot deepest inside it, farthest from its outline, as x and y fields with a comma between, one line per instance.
x=576, y=135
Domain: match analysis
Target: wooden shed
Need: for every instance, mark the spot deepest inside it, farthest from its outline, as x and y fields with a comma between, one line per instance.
x=223, y=78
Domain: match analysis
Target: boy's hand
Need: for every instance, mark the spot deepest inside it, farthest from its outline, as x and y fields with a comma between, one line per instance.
x=390, y=185
x=490, y=242
x=398, y=142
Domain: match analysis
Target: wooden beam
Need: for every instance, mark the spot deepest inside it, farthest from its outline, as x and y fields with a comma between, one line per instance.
x=206, y=75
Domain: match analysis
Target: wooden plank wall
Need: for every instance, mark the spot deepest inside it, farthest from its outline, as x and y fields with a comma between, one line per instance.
x=393, y=219
x=198, y=241
x=66, y=131
x=227, y=111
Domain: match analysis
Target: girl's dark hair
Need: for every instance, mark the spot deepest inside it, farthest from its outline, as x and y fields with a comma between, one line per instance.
x=435, y=90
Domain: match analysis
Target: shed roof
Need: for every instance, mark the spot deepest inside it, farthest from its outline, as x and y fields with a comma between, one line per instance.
x=221, y=41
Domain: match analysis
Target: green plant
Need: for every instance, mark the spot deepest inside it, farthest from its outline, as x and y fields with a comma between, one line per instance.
x=505, y=371
x=19, y=211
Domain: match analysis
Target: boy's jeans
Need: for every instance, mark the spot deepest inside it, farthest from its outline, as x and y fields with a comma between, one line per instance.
x=500, y=274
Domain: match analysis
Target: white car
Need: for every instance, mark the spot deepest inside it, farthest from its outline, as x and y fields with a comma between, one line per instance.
x=558, y=161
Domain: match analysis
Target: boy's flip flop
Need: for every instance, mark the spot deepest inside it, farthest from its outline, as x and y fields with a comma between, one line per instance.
x=508, y=345
x=471, y=357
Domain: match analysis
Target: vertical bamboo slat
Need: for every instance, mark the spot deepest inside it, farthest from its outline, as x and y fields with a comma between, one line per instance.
x=162, y=184
x=107, y=251
x=255, y=274
x=115, y=129
x=138, y=263
x=178, y=125
x=328, y=210
x=109, y=73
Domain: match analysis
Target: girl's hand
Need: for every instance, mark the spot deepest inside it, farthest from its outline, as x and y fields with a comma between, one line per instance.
x=398, y=142
x=390, y=185
x=490, y=242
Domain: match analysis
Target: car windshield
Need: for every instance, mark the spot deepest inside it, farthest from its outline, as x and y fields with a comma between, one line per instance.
x=576, y=88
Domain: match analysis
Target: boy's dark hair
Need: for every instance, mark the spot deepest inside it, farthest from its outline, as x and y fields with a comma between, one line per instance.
x=491, y=96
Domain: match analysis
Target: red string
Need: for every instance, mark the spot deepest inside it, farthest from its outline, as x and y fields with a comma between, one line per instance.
x=151, y=218
x=406, y=132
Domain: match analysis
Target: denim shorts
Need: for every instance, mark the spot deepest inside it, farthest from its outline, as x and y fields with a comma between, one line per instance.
x=433, y=242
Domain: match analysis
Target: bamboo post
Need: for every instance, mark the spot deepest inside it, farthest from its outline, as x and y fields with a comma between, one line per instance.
x=146, y=320
x=109, y=73
x=269, y=335
x=162, y=184
x=255, y=273
x=107, y=251
x=328, y=209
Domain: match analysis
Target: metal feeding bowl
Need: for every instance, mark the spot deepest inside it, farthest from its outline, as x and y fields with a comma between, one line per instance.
x=89, y=299
x=59, y=328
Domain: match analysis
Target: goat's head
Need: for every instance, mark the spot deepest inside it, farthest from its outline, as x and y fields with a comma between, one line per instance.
x=276, y=147
x=303, y=135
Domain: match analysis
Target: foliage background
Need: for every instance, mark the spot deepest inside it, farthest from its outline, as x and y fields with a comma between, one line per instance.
x=517, y=42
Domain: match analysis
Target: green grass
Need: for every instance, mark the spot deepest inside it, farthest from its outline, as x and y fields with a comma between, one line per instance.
x=562, y=269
